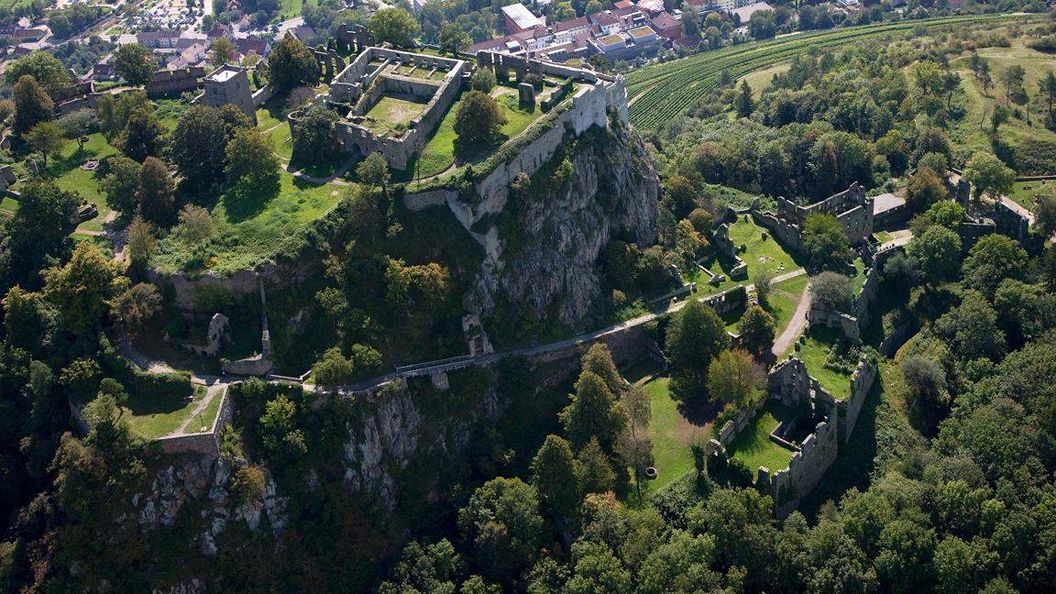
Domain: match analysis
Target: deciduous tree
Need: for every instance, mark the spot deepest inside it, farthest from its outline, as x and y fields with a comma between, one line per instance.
x=478, y=120
x=135, y=63
x=291, y=64
x=825, y=242
x=938, y=250
x=46, y=138
x=156, y=191
x=121, y=183
x=395, y=25
x=554, y=476
x=695, y=335
x=32, y=104
x=81, y=289
x=757, y=330
x=503, y=526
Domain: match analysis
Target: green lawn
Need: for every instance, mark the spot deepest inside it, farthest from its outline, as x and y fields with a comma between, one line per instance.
x=268, y=119
x=252, y=231
x=391, y=116
x=760, y=255
x=815, y=352
x=1024, y=192
x=152, y=419
x=203, y=421
x=859, y=275
x=292, y=8
x=882, y=236
x=8, y=206
x=783, y=299
x=672, y=435
x=439, y=153
x=282, y=141
x=753, y=446
x=65, y=170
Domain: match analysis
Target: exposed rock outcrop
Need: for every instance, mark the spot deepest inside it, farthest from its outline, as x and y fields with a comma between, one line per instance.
x=384, y=441
x=544, y=255
x=202, y=483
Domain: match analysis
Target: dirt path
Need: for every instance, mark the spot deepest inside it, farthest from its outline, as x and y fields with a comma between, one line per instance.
x=216, y=390
x=796, y=325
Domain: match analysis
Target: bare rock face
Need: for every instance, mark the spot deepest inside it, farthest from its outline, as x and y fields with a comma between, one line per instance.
x=546, y=259
x=386, y=439
x=203, y=482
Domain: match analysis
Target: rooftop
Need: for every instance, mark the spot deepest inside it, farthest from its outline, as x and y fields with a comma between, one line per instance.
x=521, y=16
x=641, y=32
x=746, y=12
x=224, y=74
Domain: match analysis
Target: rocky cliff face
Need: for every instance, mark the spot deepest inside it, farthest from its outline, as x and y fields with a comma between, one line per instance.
x=543, y=255
x=203, y=482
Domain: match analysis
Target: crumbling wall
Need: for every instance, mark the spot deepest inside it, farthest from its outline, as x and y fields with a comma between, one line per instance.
x=805, y=468
x=849, y=408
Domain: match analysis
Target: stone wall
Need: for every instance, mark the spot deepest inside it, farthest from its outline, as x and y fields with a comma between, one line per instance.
x=784, y=231
x=805, y=469
x=239, y=284
x=851, y=207
x=589, y=108
x=844, y=322
x=208, y=443
x=171, y=82
x=790, y=382
x=849, y=408
x=720, y=238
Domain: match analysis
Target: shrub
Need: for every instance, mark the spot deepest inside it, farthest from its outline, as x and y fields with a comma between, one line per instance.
x=248, y=484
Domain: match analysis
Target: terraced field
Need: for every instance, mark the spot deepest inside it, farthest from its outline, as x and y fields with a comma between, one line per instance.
x=660, y=92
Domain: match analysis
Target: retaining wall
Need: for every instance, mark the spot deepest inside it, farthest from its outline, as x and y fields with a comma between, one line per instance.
x=207, y=443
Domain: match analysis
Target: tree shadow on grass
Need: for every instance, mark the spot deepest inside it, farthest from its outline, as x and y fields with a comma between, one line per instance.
x=472, y=152
x=699, y=410
x=245, y=200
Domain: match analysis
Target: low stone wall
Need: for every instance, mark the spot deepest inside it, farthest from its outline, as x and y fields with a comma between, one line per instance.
x=785, y=232
x=790, y=382
x=845, y=323
x=892, y=342
x=720, y=238
x=731, y=428
x=207, y=443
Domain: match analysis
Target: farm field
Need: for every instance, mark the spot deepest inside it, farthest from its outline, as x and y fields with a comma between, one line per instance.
x=661, y=92
x=760, y=79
